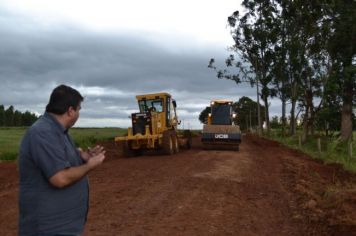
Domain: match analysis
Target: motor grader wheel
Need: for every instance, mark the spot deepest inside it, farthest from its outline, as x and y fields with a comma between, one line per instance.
x=167, y=143
x=129, y=152
x=175, y=142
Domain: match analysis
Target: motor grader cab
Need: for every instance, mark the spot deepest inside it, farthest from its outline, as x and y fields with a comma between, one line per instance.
x=154, y=127
x=220, y=131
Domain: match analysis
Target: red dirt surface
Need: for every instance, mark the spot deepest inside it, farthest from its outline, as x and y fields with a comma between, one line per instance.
x=263, y=189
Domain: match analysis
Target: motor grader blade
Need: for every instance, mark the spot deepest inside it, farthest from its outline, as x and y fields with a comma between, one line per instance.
x=185, y=139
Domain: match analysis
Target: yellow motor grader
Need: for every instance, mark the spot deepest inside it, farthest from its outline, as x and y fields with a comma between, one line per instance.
x=154, y=127
x=220, y=131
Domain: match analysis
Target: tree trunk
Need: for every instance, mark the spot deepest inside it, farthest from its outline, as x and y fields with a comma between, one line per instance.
x=265, y=100
x=307, y=120
x=346, y=113
x=312, y=118
x=292, y=129
x=305, y=126
x=283, y=114
x=258, y=109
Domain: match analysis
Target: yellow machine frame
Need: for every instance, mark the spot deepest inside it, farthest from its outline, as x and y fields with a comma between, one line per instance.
x=153, y=136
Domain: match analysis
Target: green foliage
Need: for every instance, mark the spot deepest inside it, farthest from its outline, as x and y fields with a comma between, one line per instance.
x=203, y=116
x=275, y=124
x=299, y=51
x=329, y=117
x=10, y=117
x=246, y=110
x=10, y=138
x=333, y=150
x=28, y=118
x=2, y=115
x=8, y=156
x=87, y=137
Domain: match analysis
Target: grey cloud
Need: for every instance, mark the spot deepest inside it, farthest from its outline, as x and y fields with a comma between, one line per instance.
x=34, y=59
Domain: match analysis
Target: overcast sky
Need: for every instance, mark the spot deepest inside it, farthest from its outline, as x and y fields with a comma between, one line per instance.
x=113, y=50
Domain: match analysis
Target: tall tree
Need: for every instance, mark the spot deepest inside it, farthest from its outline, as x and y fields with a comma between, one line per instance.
x=246, y=110
x=299, y=51
x=203, y=116
x=12, y=117
x=17, y=120
x=28, y=118
x=294, y=47
x=2, y=115
x=255, y=36
x=300, y=59
x=9, y=116
x=280, y=79
x=341, y=20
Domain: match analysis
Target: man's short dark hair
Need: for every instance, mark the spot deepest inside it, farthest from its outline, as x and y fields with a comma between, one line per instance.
x=62, y=98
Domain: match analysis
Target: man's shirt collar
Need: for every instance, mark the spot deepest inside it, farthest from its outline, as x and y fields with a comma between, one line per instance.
x=55, y=122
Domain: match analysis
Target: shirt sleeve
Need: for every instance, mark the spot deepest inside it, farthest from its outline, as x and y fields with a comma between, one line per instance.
x=48, y=153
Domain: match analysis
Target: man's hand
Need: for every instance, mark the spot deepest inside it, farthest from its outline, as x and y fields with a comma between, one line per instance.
x=93, y=156
x=91, y=152
x=96, y=160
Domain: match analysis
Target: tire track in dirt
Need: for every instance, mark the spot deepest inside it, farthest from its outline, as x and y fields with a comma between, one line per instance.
x=199, y=192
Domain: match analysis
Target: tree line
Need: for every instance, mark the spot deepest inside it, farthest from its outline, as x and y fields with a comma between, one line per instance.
x=246, y=110
x=12, y=117
x=302, y=52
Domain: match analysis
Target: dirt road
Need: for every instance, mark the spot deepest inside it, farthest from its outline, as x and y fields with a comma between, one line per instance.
x=264, y=189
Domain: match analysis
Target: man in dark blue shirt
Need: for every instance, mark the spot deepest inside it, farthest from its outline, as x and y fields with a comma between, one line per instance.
x=54, y=191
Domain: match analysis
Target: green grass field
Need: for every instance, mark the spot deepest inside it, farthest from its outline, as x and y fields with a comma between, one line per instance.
x=10, y=138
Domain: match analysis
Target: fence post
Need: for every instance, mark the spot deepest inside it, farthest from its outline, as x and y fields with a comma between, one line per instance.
x=319, y=146
x=300, y=141
x=350, y=151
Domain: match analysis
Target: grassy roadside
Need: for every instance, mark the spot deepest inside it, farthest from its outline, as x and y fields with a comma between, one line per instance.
x=332, y=149
x=86, y=137
x=10, y=138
